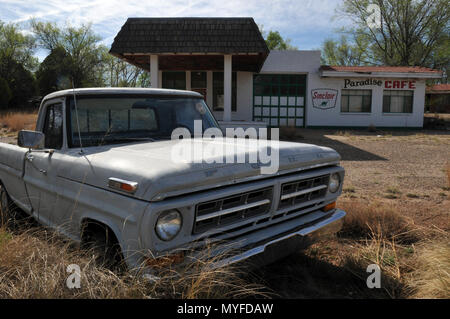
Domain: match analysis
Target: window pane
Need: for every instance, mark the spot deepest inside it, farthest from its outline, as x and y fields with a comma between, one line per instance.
x=408, y=104
x=198, y=80
x=174, y=80
x=355, y=103
x=386, y=101
x=367, y=104
x=53, y=127
x=344, y=103
x=396, y=104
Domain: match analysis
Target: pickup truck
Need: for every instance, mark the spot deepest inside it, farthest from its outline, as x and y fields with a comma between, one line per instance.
x=98, y=167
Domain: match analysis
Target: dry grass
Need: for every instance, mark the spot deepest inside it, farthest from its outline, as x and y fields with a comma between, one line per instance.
x=16, y=121
x=33, y=264
x=431, y=278
x=377, y=220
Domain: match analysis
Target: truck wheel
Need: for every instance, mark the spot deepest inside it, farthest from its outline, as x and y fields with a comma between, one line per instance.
x=6, y=207
x=103, y=243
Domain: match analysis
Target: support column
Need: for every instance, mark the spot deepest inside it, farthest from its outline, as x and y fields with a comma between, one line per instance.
x=154, y=71
x=188, y=80
x=209, y=89
x=227, y=87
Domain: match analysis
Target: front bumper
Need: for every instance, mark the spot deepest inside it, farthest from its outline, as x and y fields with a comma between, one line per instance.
x=286, y=244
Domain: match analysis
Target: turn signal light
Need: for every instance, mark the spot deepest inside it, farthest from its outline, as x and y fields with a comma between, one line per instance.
x=122, y=185
x=330, y=207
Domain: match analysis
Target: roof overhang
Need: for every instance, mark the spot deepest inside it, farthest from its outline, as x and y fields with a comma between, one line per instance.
x=400, y=75
x=247, y=62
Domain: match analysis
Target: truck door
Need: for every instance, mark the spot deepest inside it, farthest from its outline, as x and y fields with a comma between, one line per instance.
x=40, y=167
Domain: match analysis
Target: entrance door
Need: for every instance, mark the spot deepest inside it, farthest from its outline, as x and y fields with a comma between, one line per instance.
x=279, y=99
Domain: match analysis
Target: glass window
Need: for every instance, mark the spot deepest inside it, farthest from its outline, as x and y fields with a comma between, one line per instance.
x=218, y=95
x=114, y=119
x=198, y=80
x=53, y=127
x=398, y=101
x=174, y=80
x=356, y=101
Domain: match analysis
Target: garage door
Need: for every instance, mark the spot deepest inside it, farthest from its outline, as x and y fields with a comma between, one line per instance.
x=279, y=99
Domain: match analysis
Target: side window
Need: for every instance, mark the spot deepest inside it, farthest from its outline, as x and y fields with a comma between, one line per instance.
x=53, y=126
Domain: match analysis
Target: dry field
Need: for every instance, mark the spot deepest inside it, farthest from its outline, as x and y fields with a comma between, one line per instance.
x=396, y=194
x=12, y=122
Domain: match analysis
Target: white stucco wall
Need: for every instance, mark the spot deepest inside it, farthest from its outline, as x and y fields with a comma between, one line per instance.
x=334, y=116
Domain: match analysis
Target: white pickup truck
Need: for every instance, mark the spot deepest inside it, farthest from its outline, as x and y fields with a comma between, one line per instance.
x=99, y=166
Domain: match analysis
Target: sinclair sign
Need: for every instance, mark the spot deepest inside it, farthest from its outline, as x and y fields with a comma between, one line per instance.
x=324, y=99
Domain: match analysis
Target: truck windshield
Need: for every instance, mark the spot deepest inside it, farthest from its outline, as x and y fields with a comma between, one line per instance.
x=116, y=119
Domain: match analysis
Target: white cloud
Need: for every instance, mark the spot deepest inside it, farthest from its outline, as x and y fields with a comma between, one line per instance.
x=294, y=19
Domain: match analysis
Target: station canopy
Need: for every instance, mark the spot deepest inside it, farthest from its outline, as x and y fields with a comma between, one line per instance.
x=191, y=43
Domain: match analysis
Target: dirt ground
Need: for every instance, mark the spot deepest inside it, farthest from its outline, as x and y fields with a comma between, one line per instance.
x=405, y=168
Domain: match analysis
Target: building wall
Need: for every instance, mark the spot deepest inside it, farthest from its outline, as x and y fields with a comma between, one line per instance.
x=308, y=62
x=334, y=116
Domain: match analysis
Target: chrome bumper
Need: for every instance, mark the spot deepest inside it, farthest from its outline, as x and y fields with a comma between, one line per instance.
x=329, y=225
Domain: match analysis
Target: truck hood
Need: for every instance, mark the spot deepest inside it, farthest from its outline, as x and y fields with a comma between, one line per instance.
x=160, y=172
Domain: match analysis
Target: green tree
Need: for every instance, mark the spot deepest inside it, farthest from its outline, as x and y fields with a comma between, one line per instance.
x=16, y=63
x=82, y=48
x=275, y=41
x=404, y=32
x=5, y=94
x=53, y=73
x=346, y=52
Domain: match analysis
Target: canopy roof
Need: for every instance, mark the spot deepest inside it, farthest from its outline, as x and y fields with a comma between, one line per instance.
x=191, y=43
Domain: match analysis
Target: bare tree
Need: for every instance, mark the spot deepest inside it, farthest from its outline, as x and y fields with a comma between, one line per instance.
x=406, y=32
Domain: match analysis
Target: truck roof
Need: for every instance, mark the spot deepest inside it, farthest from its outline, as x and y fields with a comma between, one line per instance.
x=100, y=91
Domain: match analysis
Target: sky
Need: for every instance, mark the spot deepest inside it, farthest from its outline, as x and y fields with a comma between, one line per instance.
x=306, y=22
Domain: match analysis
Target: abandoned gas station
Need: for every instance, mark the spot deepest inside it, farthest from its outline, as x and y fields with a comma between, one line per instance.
x=246, y=84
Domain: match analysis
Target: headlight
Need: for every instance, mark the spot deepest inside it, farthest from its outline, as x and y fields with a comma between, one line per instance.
x=168, y=224
x=335, y=183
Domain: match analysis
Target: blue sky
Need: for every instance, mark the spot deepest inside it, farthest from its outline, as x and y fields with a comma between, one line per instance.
x=306, y=22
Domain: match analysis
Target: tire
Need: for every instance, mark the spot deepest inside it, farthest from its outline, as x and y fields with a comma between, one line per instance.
x=6, y=208
x=103, y=244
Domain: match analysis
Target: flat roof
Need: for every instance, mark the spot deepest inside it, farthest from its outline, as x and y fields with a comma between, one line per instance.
x=380, y=71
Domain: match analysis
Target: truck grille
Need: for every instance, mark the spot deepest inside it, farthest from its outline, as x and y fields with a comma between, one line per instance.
x=303, y=191
x=229, y=210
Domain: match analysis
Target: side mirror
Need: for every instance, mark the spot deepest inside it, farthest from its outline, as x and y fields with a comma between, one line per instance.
x=31, y=139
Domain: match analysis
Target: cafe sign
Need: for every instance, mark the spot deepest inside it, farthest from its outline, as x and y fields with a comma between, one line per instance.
x=388, y=84
x=324, y=99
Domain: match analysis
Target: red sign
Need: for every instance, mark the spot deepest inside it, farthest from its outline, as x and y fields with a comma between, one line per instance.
x=400, y=85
